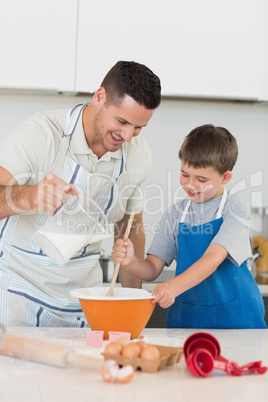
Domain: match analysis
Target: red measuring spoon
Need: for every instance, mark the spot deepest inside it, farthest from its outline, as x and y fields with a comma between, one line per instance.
x=202, y=355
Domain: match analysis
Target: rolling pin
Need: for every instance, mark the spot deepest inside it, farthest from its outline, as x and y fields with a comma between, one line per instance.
x=45, y=352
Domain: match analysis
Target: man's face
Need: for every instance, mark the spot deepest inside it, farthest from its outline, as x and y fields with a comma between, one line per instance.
x=114, y=125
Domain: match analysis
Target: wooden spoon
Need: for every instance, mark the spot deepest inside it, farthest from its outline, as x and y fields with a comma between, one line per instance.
x=117, y=266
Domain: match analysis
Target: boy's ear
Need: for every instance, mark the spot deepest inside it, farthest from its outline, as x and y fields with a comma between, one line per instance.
x=227, y=177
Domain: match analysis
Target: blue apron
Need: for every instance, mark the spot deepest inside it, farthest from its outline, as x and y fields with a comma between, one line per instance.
x=228, y=298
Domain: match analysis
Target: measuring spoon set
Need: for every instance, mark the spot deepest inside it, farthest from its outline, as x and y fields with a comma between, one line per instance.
x=202, y=355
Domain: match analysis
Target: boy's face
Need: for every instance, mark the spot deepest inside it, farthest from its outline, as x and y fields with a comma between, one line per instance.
x=202, y=184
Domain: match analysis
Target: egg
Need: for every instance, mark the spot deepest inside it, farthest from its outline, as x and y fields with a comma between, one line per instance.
x=125, y=374
x=122, y=341
x=150, y=353
x=141, y=345
x=131, y=351
x=114, y=348
x=111, y=372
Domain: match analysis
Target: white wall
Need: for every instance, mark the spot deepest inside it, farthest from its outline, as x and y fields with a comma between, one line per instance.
x=172, y=121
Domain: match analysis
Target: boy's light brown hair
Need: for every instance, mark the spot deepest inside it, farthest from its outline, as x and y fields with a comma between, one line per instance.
x=210, y=146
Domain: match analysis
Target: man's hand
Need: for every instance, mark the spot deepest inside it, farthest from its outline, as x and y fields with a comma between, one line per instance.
x=46, y=196
x=49, y=193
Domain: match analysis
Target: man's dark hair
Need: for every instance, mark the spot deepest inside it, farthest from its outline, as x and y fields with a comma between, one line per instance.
x=135, y=80
x=210, y=146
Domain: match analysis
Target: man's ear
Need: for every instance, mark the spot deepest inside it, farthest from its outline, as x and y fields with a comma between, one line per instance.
x=227, y=177
x=99, y=96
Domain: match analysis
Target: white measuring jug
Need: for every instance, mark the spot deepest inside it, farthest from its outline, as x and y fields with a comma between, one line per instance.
x=77, y=223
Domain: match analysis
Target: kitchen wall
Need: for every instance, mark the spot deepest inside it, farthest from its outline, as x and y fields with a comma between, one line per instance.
x=171, y=122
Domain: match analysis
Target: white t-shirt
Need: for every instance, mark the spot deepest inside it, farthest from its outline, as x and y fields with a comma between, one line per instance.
x=30, y=150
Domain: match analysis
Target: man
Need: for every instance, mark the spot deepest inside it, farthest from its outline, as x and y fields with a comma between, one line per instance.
x=61, y=152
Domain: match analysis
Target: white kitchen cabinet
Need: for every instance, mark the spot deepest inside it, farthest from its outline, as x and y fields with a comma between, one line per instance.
x=38, y=44
x=209, y=48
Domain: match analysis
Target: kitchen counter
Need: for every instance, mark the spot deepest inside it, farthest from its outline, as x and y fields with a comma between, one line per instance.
x=22, y=380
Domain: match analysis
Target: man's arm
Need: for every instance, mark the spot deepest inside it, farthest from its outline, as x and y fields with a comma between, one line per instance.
x=12, y=196
x=44, y=196
x=137, y=237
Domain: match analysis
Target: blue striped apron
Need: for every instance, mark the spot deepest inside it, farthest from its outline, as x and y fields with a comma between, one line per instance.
x=34, y=291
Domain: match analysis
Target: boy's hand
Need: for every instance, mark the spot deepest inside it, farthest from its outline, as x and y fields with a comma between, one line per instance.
x=122, y=252
x=164, y=295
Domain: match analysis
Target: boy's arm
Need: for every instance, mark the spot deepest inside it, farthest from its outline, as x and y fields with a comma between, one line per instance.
x=148, y=269
x=165, y=293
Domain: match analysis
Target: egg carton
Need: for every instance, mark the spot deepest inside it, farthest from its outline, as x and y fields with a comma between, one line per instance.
x=169, y=355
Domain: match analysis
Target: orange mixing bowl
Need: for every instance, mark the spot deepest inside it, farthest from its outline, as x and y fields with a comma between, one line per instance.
x=128, y=310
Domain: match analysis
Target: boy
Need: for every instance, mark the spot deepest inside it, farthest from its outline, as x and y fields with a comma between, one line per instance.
x=208, y=236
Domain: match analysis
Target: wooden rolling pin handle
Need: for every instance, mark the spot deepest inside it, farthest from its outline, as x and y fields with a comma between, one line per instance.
x=35, y=350
x=83, y=361
x=51, y=353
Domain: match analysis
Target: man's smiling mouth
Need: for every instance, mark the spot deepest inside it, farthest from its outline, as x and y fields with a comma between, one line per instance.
x=116, y=138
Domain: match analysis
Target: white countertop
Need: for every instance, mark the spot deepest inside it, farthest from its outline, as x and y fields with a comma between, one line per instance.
x=26, y=381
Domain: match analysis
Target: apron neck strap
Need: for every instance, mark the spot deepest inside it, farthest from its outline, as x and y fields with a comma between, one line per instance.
x=124, y=157
x=185, y=211
x=219, y=212
x=223, y=201
x=72, y=117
